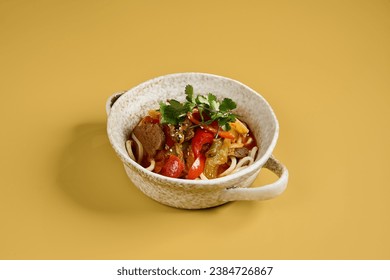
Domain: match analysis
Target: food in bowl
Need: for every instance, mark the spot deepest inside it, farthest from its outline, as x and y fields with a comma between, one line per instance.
x=200, y=138
x=126, y=109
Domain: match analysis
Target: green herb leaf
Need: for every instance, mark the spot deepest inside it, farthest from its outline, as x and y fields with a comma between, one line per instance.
x=200, y=99
x=226, y=126
x=223, y=121
x=174, y=112
x=189, y=91
x=189, y=106
x=168, y=114
x=214, y=104
x=227, y=104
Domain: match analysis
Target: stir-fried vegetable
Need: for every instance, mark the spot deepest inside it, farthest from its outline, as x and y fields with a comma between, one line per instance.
x=216, y=156
x=201, y=138
x=197, y=167
x=173, y=167
x=239, y=127
x=192, y=139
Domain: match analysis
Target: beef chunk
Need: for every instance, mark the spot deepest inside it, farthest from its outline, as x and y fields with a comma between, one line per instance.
x=241, y=152
x=151, y=137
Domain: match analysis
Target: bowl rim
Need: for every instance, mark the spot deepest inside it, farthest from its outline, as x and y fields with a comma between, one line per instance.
x=256, y=166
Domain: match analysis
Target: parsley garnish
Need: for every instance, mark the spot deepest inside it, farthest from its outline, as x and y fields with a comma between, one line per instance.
x=174, y=112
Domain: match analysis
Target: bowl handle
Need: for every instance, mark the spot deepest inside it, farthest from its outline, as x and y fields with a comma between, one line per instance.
x=261, y=192
x=111, y=100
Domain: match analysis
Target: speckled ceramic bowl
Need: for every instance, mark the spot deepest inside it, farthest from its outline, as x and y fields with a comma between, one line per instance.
x=127, y=108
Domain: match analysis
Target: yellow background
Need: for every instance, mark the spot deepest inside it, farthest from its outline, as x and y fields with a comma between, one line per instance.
x=324, y=66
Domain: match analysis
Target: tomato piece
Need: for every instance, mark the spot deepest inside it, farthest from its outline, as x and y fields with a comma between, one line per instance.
x=173, y=167
x=200, y=138
x=197, y=167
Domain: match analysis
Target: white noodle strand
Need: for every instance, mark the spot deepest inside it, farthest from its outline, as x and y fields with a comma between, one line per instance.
x=240, y=168
x=151, y=166
x=129, y=149
x=203, y=177
x=243, y=161
x=231, y=167
x=250, y=139
x=140, y=148
x=253, y=152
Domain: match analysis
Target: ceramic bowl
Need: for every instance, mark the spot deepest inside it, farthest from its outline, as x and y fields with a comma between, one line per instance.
x=126, y=109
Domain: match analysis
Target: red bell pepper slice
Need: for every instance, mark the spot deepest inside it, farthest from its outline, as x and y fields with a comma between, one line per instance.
x=200, y=138
x=197, y=167
x=173, y=167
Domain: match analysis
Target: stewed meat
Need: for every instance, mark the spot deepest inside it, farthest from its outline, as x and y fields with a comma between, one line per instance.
x=241, y=152
x=151, y=137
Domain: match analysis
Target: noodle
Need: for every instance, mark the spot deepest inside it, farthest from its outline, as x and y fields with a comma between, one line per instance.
x=250, y=159
x=253, y=152
x=203, y=177
x=129, y=149
x=151, y=166
x=236, y=145
x=234, y=166
x=140, y=152
x=244, y=160
x=231, y=167
x=240, y=168
x=250, y=139
x=140, y=148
